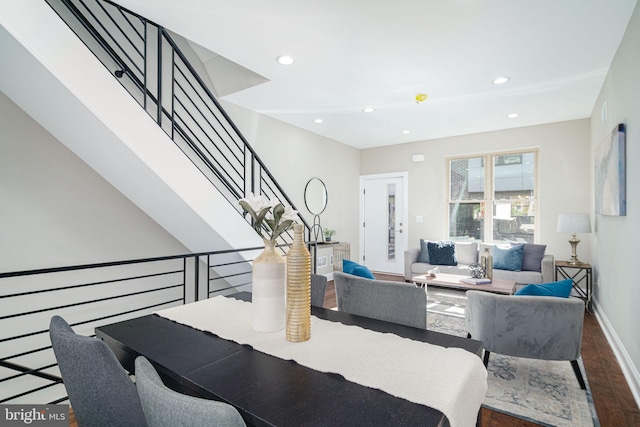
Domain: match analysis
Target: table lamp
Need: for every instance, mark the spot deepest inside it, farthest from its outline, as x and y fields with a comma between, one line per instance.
x=573, y=223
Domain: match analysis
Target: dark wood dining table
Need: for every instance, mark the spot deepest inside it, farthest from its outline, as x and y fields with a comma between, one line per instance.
x=266, y=390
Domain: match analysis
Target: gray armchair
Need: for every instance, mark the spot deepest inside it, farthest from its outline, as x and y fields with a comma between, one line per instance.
x=318, y=289
x=396, y=302
x=548, y=328
x=167, y=408
x=100, y=390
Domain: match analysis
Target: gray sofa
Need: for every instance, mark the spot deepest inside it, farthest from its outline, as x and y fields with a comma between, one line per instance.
x=468, y=253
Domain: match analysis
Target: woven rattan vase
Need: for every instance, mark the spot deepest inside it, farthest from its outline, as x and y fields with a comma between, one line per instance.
x=268, y=284
x=298, y=324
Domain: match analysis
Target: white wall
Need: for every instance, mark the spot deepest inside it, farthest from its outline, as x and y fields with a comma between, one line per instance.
x=58, y=211
x=294, y=156
x=563, y=176
x=616, y=237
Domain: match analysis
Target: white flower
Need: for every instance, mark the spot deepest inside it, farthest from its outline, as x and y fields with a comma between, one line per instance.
x=290, y=214
x=256, y=203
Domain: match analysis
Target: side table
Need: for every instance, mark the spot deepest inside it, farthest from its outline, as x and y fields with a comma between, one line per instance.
x=578, y=273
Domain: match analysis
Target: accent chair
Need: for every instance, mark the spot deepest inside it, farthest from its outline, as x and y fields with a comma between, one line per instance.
x=318, y=289
x=396, y=302
x=537, y=327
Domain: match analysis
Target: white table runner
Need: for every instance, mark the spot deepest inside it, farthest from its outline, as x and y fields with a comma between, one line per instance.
x=452, y=380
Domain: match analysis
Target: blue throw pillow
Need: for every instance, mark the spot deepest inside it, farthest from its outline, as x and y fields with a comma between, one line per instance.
x=442, y=253
x=356, y=269
x=423, y=256
x=561, y=289
x=508, y=259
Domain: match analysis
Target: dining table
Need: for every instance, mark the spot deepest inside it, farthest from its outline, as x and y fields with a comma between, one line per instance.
x=269, y=390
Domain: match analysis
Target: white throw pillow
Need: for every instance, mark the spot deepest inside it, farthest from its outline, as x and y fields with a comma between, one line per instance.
x=466, y=253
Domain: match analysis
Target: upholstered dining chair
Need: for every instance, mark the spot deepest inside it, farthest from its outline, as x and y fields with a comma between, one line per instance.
x=537, y=327
x=397, y=302
x=100, y=390
x=164, y=407
x=318, y=289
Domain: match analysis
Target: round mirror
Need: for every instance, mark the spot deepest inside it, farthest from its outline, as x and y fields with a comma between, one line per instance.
x=315, y=196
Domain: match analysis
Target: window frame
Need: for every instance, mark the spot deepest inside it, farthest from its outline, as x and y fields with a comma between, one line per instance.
x=488, y=202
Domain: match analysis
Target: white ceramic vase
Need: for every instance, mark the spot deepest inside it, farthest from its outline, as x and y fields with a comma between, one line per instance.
x=268, y=289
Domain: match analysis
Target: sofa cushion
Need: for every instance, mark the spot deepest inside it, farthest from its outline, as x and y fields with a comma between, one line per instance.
x=423, y=255
x=356, y=269
x=442, y=253
x=522, y=277
x=561, y=289
x=508, y=259
x=466, y=253
x=419, y=268
x=532, y=257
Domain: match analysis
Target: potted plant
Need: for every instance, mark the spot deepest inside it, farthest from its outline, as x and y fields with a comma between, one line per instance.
x=328, y=233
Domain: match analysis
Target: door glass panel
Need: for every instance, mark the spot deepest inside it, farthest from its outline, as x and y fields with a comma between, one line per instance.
x=391, y=225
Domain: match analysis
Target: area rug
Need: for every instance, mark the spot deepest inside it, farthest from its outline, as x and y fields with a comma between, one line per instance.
x=541, y=391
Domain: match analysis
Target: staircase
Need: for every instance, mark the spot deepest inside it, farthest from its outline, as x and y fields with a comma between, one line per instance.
x=165, y=142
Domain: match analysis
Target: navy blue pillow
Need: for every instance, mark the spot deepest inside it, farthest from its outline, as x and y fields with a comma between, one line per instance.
x=356, y=269
x=442, y=253
x=423, y=256
x=561, y=289
x=508, y=259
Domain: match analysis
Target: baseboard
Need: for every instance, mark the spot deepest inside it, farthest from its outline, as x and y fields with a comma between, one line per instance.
x=626, y=364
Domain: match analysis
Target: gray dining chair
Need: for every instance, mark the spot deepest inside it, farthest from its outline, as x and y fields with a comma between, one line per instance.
x=164, y=407
x=537, y=327
x=397, y=302
x=100, y=390
x=318, y=289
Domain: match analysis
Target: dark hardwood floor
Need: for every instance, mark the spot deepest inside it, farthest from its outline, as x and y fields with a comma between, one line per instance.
x=611, y=394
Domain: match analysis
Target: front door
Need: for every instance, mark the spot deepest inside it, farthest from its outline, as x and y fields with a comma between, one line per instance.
x=383, y=222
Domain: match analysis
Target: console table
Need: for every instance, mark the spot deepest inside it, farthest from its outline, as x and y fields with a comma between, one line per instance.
x=578, y=273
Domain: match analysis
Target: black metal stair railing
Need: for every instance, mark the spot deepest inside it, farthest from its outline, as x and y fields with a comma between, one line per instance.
x=150, y=65
x=92, y=295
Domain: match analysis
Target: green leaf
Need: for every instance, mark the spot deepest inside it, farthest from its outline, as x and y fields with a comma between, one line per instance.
x=245, y=206
x=284, y=226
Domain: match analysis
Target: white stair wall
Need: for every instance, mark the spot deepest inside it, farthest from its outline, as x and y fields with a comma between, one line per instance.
x=52, y=76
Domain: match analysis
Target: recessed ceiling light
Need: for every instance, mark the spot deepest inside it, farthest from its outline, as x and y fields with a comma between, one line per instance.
x=285, y=60
x=318, y=121
x=500, y=80
x=513, y=115
x=369, y=110
x=406, y=131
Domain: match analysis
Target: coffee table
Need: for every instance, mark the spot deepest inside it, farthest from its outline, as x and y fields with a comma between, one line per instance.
x=453, y=281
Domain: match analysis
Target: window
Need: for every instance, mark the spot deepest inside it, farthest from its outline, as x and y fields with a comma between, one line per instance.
x=507, y=190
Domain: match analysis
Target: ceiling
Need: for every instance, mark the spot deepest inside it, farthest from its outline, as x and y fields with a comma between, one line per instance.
x=352, y=54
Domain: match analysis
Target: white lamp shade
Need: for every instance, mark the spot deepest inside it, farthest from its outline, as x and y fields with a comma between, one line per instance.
x=574, y=223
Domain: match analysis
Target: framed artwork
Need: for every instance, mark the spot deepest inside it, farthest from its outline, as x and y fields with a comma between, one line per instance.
x=321, y=262
x=610, y=174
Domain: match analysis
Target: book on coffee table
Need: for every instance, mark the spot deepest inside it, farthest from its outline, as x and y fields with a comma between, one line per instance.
x=474, y=281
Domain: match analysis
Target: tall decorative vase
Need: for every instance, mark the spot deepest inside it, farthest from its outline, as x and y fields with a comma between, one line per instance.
x=267, y=301
x=487, y=263
x=298, y=289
